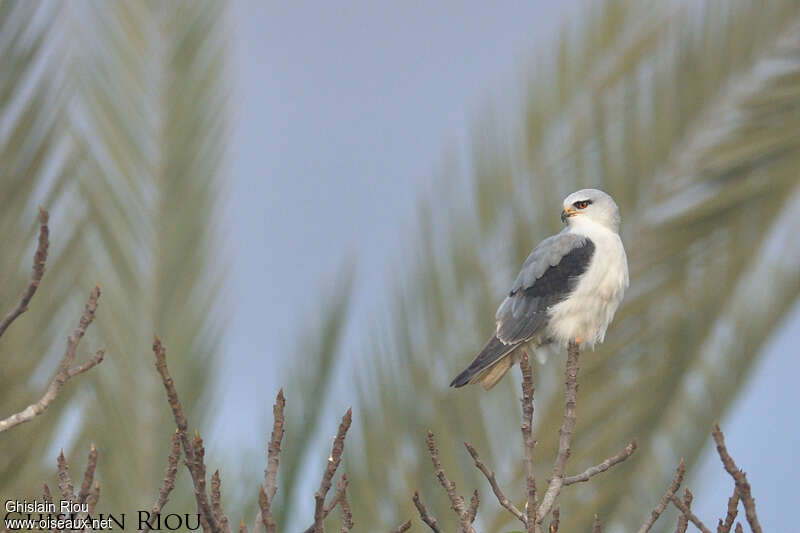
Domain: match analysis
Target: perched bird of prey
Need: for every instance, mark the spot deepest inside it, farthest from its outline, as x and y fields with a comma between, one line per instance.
x=568, y=289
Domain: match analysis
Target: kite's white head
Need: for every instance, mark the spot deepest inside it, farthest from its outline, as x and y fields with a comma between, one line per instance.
x=591, y=205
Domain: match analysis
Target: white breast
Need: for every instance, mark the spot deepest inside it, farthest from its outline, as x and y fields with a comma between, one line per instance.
x=590, y=308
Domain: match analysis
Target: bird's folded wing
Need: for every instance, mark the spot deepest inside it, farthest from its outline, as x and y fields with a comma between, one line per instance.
x=548, y=276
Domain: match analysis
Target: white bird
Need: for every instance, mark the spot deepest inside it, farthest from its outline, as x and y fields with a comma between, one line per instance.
x=568, y=290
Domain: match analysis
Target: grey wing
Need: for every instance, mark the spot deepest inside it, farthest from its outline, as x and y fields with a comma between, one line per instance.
x=548, y=276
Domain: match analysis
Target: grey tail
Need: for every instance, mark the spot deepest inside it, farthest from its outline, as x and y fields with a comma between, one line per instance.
x=494, y=350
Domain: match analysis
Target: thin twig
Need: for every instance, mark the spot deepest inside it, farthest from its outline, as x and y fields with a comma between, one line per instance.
x=689, y=514
x=564, y=434
x=602, y=467
x=64, y=480
x=683, y=520
x=424, y=515
x=490, y=476
x=333, y=463
x=596, y=527
x=738, y=528
x=456, y=502
x=88, y=474
x=662, y=504
x=196, y=468
x=472, y=512
x=169, y=479
x=39, y=260
x=271, y=472
x=216, y=502
x=91, y=501
x=730, y=517
x=242, y=526
x=347, y=515
x=402, y=528
x=529, y=442
x=739, y=477
x=554, y=523
x=65, y=372
x=341, y=486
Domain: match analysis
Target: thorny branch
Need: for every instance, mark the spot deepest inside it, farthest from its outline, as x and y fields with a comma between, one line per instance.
x=65, y=369
x=39, y=260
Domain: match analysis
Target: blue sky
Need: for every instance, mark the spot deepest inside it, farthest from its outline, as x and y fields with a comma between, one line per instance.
x=344, y=112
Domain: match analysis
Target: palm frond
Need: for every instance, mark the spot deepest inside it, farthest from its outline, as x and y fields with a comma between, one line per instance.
x=689, y=119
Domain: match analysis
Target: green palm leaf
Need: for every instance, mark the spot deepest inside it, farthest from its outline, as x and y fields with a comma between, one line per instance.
x=135, y=95
x=693, y=128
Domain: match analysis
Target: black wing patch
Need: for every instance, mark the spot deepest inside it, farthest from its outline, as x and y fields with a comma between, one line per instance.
x=525, y=312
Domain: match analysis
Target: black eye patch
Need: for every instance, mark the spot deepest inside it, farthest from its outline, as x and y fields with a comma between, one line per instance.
x=582, y=204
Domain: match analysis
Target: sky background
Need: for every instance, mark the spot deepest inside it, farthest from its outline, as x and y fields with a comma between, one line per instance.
x=344, y=114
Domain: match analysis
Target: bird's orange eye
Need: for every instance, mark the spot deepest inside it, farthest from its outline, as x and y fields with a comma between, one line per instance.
x=583, y=204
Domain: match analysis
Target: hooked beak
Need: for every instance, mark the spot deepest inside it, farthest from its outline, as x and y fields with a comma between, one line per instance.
x=566, y=213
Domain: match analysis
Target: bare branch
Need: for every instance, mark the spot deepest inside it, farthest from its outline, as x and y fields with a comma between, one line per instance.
x=46, y=495
x=347, y=515
x=564, y=434
x=456, y=502
x=242, y=526
x=738, y=528
x=271, y=472
x=39, y=260
x=739, y=477
x=596, y=527
x=733, y=504
x=91, y=501
x=424, y=515
x=689, y=514
x=169, y=479
x=216, y=502
x=194, y=460
x=671, y=490
x=472, y=512
x=88, y=474
x=490, y=476
x=333, y=463
x=65, y=372
x=683, y=520
x=64, y=480
x=554, y=523
x=528, y=440
x=602, y=467
x=402, y=528
x=341, y=486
